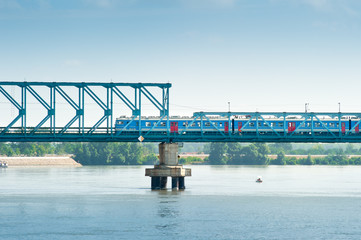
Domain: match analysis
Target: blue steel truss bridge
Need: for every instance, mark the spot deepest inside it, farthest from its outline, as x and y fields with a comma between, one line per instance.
x=34, y=112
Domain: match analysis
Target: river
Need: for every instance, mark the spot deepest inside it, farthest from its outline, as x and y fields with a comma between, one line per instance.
x=220, y=202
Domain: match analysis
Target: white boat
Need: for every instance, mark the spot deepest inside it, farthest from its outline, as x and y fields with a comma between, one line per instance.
x=3, y=164
x=259, y=179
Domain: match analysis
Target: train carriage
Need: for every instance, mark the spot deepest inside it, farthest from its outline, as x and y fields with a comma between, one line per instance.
x=238, y=125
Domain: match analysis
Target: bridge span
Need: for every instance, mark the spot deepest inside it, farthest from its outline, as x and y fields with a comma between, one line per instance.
x=121, y=118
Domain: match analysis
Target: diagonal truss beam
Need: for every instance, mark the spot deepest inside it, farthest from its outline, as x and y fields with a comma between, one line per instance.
x=17, y=105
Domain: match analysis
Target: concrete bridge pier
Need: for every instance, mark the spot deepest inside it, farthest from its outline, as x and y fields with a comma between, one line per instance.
x=168, y=167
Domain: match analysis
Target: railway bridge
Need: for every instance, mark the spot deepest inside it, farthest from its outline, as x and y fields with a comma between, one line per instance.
x=115, y=112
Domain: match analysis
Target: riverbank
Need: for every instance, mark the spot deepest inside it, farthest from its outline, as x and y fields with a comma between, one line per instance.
x=40, y=161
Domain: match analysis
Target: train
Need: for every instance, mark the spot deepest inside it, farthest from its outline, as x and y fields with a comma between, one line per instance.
x=240, y=125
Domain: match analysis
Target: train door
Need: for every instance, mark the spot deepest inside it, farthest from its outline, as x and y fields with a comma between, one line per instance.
x=226, y=127
x=233, y=126
x=291, y=126
x=239, y=126
x=357, y=129
x=173, y=127
x=343, y=127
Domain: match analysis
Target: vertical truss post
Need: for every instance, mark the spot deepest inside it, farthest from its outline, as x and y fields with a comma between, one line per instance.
x=229, y=124
x=202, y=125
x=80, y=111
x=23, y=106
x=52, y=109
x=284, y=124
x=166, y=103
x=339, y=125
x=257, y=133
x=110, y=91
x=312, y=125
x=140, y=110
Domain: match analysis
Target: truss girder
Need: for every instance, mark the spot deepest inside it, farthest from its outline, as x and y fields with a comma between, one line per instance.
x=105, y=100
x=309, y=127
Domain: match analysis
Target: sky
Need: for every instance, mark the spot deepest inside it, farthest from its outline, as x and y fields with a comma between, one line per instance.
x=259, y=55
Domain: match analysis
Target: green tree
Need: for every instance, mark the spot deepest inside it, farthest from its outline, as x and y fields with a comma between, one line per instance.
x=281, y=159
x=6, y=149
x=317, y=149
x=350, y=149
x=234, y=151
x=255, y=154
x=275, y=148
x=217, y=154
x=309, y=160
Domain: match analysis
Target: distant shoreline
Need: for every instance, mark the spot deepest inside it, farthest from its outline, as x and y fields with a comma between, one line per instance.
x=40, y=161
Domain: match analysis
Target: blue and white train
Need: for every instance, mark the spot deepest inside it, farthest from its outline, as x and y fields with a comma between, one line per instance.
x=239, y=125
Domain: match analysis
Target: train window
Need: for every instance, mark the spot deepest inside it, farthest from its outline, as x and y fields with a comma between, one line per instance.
x=280, y=124
x=265, y=124
x=207, y=124
x=162, y=124
x=251, y=124
x=120, y=122
x=337, y=125
x=332, y=125
x=273, y=124
x=148, y=124
x=317, y=124
x=259, y=124
x=303, y=125
x=185, y=124
x=220, y=124
x=308, y=124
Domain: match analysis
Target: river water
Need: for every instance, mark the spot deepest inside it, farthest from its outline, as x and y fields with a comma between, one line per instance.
x=220, y=202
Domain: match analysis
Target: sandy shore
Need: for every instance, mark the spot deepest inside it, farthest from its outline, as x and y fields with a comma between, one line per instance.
x=40, y=161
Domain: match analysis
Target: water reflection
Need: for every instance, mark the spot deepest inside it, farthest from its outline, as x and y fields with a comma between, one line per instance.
x=168, y=212
x=168, y=204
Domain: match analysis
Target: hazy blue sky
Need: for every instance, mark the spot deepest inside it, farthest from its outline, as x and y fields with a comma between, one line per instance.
x=265, y=55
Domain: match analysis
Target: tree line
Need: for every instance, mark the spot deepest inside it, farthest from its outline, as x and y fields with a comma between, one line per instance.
x=87, y=153
x=259, y=154
x=219, y=153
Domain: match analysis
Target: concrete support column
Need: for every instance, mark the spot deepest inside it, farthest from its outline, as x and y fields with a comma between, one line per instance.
x=155, y=183
x=163, y=183
x=168, y=154
x=181, y=183
x=175, y=182
x=168, y=167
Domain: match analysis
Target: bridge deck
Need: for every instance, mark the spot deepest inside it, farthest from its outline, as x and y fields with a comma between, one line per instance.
x=176, y=137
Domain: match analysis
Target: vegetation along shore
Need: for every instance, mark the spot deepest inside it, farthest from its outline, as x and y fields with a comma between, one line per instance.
x=197, y=153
